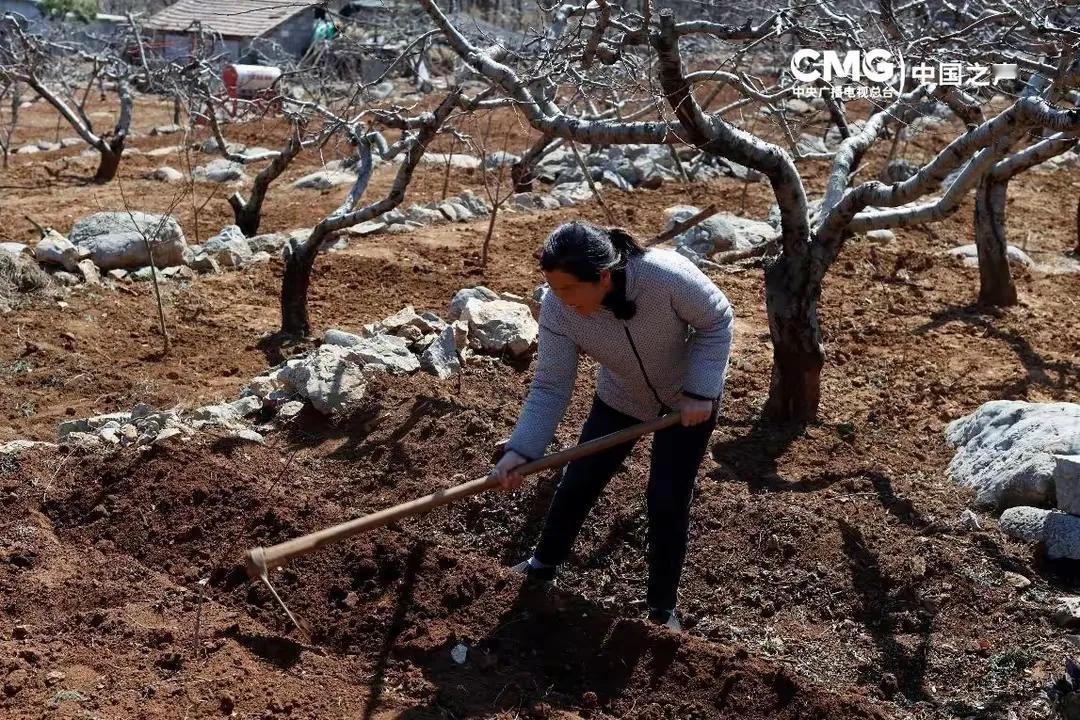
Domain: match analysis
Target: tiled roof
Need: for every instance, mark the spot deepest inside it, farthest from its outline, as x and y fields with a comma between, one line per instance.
x=234, y=18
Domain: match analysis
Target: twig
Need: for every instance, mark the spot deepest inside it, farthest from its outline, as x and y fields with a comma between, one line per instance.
x=589, y=180
x=198, y=614
x=150, y=253
x=680, y=227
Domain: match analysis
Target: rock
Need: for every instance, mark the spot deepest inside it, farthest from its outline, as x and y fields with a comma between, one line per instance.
x=440, y=358
x=248, y=435
x=1067, y=613
x=67, y=279
x=165, y=435
x=229, y=414
x=969, y=255
x=28, y=150
x=165, y=130
x=55, y=249
x=449, y=211
x=182, y=272
x=270, y=243
x=115, y=239
x=461, y=333
x=255, y=154
x=382, y=91
x=424, y=216
x=457, y=305
x=220, y=171
x=459, y=653
x=498, y=325
x=329, y=378
x=163, y=151
x=1017, y=580
x=229, y=247
x=429, y=323
x=798, y=106
x=325, y=179
x=397, y=321
x=369, y=227
x=1067, y=482
x=90, y=273
x=290, y=410
x=474, y=204
x=457, y=160
x=883, y=236
x=16, y=249
x=145, y=274
x=719, y=233
x=203, y=263
x=15, y=447
x=1005, y=450
x=167, y=174
x=210, y=145
x=500, y=158
x=1059, y=531
x=341, y=338
x=70, y=142
x=387, y=352
x=91, y=424
x=970, y=520
x=463, y=213
x=261, y=386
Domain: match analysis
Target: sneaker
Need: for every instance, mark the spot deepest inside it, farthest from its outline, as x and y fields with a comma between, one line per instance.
x=536, y=575
x=667, y=618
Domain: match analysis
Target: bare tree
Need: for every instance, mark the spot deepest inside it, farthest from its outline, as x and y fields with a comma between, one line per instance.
x=634, y=46
x=12, y=95
x=300, y=254
x=493, y=172
x=38, y=62
x=247, y=212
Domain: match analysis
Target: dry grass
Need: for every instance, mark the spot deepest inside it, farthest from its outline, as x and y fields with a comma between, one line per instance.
x=20, y=276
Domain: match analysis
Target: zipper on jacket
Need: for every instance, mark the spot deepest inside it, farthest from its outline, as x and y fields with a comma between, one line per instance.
x=663, y=407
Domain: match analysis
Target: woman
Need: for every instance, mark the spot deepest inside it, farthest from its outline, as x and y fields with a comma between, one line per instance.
x=661, y=331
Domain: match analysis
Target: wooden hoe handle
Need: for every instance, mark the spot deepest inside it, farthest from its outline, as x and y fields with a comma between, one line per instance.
x=261, y=560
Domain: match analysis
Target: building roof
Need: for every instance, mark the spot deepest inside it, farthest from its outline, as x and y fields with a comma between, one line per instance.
x=231, y=18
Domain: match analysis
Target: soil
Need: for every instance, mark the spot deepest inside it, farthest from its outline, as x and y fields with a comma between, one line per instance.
x=830, y=574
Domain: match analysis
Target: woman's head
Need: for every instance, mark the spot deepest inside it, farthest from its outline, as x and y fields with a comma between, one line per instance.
x=582, y=264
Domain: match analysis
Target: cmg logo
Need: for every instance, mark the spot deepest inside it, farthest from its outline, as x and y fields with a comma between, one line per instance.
x=877, y=65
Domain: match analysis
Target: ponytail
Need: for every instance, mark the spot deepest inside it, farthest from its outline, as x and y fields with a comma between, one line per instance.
x=625, y=244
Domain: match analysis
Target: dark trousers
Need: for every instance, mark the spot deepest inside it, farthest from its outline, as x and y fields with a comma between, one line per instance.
x=676, y=456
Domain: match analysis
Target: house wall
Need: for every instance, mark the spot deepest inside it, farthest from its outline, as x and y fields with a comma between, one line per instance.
x=294, y=35
x=26, y=8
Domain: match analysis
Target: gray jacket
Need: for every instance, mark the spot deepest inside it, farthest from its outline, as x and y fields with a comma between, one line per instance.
x=677, y=342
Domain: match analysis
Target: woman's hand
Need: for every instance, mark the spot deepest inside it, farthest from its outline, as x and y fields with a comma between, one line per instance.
x=504, y=471
x=695, y=411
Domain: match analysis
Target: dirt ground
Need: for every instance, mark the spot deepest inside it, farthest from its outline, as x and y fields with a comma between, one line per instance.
x=829, y=575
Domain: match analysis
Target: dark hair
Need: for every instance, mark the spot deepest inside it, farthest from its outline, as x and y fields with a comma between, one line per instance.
x=585, y=250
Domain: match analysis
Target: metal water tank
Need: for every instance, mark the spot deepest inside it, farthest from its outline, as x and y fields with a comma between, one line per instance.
x=248, y=79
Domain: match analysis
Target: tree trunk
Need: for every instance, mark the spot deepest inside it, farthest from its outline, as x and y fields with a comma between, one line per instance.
x=487, y=238
x=110, y=163
x=995, y=280
x=791, y=298
x=295, y=281
x=247, y=214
